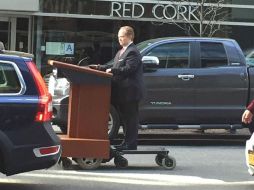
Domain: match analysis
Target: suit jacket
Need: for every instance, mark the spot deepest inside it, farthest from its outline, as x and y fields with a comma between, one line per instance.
x=127, y=80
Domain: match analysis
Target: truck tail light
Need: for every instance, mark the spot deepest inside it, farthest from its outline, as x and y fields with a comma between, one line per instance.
x=44, y=111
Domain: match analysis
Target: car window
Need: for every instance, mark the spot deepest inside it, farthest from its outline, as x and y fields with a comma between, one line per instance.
x=9, y=81
x=172, y=55
x=213, y=55
x=250, y=58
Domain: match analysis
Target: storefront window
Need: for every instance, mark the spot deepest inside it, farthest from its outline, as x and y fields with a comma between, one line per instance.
x=22, y=34
x=4, y=33
x=87, y=30
x=77, y=41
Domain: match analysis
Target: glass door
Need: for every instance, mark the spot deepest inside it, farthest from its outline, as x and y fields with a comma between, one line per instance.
x=23, y=39
x=15, y=33
x=5, y=32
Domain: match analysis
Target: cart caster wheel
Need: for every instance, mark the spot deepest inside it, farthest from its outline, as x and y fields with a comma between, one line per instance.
x=158, y=159
x=66, y=163
x=88, y=163
x=168, y=162
x=121, y=162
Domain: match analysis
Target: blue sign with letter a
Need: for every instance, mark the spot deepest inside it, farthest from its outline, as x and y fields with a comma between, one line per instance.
x=69, y=48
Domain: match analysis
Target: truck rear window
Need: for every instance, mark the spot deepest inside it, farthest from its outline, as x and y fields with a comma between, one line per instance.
x=172, y=55
x=213, y=55
x=9, y=81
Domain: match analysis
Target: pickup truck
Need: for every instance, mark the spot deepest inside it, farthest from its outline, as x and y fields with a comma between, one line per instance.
x=201, y=83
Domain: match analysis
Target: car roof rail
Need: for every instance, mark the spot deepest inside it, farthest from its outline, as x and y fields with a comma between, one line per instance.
x=18, y=53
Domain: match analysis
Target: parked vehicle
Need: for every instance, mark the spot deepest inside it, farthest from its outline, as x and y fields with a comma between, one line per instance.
x=191, y=82
x=27, y=139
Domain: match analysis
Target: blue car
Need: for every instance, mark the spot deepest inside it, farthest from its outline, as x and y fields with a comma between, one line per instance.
x=27, y=139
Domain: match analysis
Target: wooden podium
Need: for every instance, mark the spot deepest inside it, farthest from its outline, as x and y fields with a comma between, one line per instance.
x=89, y=104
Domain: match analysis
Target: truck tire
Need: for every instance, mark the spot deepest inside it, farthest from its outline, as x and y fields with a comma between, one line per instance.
x=251, y=127
x=2, y=162
x=113, y=124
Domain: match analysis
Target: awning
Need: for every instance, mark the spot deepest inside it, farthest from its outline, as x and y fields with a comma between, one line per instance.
x=19, y=5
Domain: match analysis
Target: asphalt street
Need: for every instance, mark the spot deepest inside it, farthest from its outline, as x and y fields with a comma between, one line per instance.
x=199, y=167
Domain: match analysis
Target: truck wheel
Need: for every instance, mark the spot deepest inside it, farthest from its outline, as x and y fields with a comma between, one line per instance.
x=251, y=127
x=2, y=162
x=113, y=124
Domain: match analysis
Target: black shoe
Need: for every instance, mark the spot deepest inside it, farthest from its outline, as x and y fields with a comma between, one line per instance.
x=127, y=147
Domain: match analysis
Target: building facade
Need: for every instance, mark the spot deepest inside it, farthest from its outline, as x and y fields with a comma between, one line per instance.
x=75, y=30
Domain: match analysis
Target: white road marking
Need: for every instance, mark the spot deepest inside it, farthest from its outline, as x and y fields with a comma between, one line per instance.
x=10, y=180
x=132, y=178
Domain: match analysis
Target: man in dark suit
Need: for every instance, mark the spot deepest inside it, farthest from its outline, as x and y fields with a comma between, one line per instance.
x=127, y=85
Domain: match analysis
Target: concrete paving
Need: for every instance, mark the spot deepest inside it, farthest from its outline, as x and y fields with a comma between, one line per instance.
x=198, y=168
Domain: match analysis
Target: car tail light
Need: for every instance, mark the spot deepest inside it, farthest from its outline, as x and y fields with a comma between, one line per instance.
x=46, y=151
x=44, y=112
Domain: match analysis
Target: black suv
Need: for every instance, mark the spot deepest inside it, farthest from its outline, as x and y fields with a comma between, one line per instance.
x=27, y=139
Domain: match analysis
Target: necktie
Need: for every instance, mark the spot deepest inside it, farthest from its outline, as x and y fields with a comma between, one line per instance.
x=121, y=52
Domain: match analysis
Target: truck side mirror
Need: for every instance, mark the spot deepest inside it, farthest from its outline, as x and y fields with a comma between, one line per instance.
x=150, y=62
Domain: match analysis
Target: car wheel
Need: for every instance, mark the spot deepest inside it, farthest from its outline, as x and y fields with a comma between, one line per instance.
x=63, y=128
x=88, y=163
x=113, y=124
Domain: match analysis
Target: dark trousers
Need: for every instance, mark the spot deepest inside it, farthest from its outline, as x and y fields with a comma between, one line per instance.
x=130, y=116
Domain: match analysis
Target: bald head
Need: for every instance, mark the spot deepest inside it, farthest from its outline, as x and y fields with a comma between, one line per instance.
x=125, y=35
x=128, y=31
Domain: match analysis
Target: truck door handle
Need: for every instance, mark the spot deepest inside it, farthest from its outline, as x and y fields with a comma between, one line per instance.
x=186, y=77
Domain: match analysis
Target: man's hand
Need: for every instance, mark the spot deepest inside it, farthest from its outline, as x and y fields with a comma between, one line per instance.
x=247, y=117
x=108, y=71
x=93, y=66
